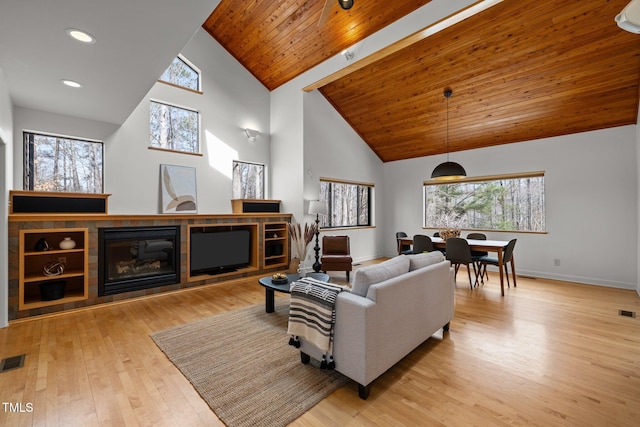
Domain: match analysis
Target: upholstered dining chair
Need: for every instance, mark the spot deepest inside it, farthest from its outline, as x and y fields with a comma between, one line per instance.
x=403, y=249
x=507, y=258
x=422, y=243
x=336, y=255
x=458, y=253
x=479, y=254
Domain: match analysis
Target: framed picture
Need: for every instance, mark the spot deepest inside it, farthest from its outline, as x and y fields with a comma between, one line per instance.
x=178, y=189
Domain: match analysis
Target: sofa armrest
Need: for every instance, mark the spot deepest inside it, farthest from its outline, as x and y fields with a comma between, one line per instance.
x=355, y=338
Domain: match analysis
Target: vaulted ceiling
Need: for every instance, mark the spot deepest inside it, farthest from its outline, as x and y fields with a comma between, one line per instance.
x=521, y=70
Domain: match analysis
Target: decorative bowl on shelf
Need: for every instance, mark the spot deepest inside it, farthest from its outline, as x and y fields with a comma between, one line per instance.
x=279, y=278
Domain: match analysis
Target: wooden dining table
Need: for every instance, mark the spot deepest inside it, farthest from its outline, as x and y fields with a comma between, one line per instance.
x=497, y=246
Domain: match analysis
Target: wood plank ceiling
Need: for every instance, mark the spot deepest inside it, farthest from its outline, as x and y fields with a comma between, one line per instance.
x=519, y=71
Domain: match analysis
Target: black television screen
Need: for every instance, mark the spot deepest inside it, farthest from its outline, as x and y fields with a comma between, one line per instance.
x=219, y=251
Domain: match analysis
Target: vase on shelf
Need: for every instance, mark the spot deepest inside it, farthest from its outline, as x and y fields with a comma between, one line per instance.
x=67, y=243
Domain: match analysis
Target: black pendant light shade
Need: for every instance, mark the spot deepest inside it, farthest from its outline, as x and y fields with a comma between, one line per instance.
x=448, y=170
x=345, y=4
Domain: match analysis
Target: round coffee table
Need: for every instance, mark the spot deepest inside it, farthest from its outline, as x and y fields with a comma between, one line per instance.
x=270, y=287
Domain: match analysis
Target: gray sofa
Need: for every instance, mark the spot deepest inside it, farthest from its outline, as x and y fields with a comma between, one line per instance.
x=392, y=308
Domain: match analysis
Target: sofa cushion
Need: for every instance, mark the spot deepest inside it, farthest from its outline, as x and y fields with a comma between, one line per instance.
x=377, y=273
x=425, y=259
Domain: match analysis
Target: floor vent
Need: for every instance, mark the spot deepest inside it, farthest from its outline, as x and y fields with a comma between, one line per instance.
x=10, y=363
x=627, y=313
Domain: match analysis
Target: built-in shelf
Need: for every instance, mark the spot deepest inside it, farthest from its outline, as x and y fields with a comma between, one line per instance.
x=32, y=262
x=275, y=245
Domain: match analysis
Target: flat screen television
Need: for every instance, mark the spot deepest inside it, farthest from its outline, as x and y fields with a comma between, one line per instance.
x=217, y=251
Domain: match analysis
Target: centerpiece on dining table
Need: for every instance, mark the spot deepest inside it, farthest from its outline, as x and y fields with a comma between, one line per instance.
x=448, y=225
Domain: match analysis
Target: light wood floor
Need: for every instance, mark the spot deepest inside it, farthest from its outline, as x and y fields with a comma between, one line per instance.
x=548, y=353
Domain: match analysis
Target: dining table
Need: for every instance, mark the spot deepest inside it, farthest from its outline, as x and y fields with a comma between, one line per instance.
x=497, y=246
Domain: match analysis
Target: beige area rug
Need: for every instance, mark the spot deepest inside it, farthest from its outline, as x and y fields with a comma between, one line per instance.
x=242, y=366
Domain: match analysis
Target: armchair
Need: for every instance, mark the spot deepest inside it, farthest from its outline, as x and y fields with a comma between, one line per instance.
x=336, y=255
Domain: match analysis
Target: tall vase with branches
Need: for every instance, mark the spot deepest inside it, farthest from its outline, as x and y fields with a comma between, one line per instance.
x=301, y=240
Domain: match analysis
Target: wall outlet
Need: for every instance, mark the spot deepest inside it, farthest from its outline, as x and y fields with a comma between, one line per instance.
x=556, y=262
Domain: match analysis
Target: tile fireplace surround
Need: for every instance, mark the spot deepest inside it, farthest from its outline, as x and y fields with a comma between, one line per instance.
x=92, y=223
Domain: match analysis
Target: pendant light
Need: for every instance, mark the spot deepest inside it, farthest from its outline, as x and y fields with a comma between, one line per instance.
x=345, y=4
x=448, y=170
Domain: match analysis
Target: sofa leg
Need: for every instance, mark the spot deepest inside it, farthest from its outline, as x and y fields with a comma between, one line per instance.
x=363, y=391
x=305, y=358
x=446, y=327
x=347, y=276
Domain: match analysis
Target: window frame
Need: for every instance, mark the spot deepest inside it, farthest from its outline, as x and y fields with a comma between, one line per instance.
x=28, y=159
x=198, y=151
x=264, y=178
x=190, y=65
x=325, y=220
x=488, y=178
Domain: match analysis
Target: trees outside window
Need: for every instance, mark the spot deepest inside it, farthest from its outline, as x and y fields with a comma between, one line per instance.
x=174, y=128
x=62, y=164
x=248, y=180
x=512, y=202
x=349, y=204
x=183, y=74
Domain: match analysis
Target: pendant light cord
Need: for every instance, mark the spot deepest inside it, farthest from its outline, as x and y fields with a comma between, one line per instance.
x=447, y=94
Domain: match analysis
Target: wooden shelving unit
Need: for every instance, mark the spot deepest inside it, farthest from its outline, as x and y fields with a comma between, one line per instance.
x=275, y=245
x=32, y=262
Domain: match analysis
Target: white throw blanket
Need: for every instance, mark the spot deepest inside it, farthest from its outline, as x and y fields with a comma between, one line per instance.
x=312, y=315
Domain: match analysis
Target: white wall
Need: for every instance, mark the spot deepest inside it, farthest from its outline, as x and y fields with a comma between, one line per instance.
x=232, y=100
x=591, y=190
x=6, y=183
x=333, y=150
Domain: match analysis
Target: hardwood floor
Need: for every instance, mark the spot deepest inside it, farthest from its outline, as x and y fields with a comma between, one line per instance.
x=547, y=353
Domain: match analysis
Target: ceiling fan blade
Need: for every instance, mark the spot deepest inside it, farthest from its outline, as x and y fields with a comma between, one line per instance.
x=325, y=12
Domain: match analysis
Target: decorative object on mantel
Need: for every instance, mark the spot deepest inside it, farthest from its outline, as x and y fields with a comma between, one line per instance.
x=301, y=243
x=448, y=170
x=67, y=243
x=317, y=207
x=178, y=189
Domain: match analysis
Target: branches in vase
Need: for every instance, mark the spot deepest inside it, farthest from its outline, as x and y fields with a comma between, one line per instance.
x=302, y=239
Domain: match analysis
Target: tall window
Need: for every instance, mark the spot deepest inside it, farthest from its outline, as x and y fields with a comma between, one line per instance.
x=508, y=202
x=248, y=180
x=349, y=204
x=56, y=163
x=181, y=73
x=174, y=128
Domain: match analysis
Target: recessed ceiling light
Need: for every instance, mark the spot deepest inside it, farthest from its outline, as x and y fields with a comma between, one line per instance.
x=71, y=83
x=81, y=36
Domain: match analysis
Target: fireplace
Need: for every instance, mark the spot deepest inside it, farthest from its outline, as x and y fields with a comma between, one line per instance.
x=135, y=258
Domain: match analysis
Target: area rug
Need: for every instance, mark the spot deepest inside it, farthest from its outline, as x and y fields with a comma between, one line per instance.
x=242, y=366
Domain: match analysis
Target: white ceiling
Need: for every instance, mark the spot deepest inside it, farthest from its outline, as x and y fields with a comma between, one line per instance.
x=136, y=41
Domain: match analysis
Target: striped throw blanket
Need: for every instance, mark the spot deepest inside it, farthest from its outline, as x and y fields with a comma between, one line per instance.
x=312, y=315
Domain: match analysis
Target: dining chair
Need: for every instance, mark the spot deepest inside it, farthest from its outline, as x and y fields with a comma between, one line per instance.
x=422, y=243
x=507, y=258
x=403, y=249
x=479, y=254
x=458, y=252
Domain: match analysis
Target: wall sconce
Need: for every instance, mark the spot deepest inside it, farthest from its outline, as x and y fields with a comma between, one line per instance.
x=251, y=134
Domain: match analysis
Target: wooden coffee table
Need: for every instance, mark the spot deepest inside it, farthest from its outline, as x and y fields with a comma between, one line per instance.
x=271, y=288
